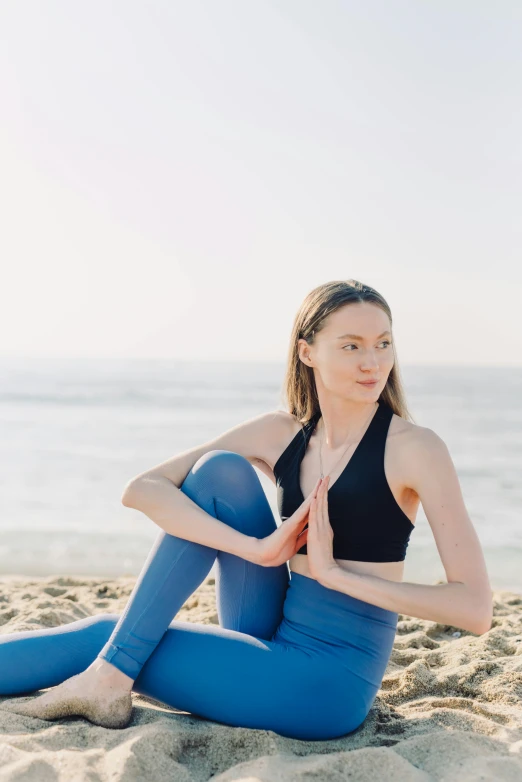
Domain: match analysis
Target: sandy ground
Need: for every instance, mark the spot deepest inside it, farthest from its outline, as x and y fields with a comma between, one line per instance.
x=450, y=708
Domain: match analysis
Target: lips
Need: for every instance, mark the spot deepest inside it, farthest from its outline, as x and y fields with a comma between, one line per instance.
x=367, y=382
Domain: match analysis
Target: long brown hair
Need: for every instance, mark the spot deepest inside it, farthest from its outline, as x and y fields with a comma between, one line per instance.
x=299, y=383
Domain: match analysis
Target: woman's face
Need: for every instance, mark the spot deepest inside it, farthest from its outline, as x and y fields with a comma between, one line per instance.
x=341, y=362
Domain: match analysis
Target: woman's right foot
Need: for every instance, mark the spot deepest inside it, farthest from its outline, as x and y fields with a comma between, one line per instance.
x=101, y=694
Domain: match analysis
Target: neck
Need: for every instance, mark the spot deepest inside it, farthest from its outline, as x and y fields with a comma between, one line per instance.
x=337, y=428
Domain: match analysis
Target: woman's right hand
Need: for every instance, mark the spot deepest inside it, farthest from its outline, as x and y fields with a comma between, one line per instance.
x=287, y=539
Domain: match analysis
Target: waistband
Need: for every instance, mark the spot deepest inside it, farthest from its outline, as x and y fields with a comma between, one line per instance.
x=331, y=604
x=357, y=635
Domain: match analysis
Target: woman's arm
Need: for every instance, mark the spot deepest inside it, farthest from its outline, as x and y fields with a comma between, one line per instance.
x=466, y=600
x=157, y=491
x=172, y=510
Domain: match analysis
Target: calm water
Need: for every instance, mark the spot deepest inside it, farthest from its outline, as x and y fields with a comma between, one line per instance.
x=75, y=431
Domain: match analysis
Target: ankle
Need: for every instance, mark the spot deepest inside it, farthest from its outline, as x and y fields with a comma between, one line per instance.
x=109, y=675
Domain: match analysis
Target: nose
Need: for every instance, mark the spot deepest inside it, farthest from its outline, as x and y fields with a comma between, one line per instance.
x=370, y=362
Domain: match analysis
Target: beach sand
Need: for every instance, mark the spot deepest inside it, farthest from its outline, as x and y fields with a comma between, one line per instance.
x=450, y=708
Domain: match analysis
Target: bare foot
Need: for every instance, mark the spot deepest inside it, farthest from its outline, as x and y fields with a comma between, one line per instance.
x=101, y=694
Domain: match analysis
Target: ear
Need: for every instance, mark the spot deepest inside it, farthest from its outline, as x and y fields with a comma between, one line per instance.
x=303, y=348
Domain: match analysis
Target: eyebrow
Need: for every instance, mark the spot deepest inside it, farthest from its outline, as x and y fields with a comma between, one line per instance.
x=355, y=336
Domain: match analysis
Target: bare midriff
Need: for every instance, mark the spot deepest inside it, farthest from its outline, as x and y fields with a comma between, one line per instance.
x=392, y=571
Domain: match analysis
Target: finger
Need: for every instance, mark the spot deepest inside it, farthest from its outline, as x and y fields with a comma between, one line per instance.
x=303, y=510
x=319, y=509
x=313, y=510
x=322, y=501
x=300, y=519
x=308, y=499
x=320, y=493
x=314, y=494
x=302, y=539
x=302, y=536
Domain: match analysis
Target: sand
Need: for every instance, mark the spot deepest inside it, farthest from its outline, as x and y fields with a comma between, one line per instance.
x=450, y=708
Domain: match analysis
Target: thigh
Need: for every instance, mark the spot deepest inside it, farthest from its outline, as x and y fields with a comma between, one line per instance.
x=249, y=597
x=245, y=681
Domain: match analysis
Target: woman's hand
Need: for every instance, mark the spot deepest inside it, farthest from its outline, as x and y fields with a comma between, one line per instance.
x=319, y=535
x=287, y=539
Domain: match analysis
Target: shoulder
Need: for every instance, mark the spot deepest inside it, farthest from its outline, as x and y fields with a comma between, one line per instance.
x=278, y=423
x=274, y=425
x=422, y=453
x=280, y=429
x=404, y=435
x=413, y=436
x=423, y=441
x=415, y=449
x=287, y=421
x=258, y=440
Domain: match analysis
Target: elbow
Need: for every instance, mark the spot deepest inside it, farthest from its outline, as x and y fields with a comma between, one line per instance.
x=141, y=493
x=483, y=624
x=481, y=629
x=484, y=616
x=128, y=498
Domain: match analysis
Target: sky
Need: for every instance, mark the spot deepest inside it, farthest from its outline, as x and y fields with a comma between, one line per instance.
x=177, y=176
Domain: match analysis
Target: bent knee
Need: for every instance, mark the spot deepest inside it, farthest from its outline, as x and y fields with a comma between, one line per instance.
x=102, y=623
x=226, y=470
x=222, y=460
x=226, y=485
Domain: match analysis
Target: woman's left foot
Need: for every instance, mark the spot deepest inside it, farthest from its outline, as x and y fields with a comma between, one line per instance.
x=98, y=694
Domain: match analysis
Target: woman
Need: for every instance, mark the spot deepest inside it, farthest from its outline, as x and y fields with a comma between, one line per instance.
x=307, y=610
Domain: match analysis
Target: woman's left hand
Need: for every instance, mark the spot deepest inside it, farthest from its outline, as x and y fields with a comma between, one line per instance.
x=319, y=540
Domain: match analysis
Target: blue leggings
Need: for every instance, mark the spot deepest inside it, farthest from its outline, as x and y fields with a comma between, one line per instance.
x=289, y=655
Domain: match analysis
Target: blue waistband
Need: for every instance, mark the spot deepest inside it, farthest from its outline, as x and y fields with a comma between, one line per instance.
x=332, y=600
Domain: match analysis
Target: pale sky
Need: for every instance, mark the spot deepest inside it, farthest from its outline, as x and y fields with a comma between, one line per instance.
x=176, y=176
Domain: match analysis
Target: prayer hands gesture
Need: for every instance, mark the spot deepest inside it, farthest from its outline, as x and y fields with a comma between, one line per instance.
x=319, y=535
x=288, y=538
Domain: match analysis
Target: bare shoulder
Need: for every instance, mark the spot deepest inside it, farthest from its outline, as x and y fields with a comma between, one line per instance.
x=405, y=431
x=415, y=449
x=282, y=429
x=275, y=426
x=257, y=440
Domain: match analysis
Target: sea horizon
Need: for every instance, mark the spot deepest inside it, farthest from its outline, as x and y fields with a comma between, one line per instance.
x=77, y=430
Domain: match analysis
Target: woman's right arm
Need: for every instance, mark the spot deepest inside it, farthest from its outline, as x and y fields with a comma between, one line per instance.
x=156, y=492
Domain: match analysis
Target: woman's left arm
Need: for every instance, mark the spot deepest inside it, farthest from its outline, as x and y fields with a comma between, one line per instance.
x=466, y=600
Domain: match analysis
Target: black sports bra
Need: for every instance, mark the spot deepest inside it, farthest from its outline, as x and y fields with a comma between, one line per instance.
x=367, y=522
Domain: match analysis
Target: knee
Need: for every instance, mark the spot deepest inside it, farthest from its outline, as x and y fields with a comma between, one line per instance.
x=98, y=626
x=227, y=486
x=224, y=470
x=105, y=620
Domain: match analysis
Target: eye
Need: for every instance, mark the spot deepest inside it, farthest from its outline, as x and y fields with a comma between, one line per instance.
x=351, y=345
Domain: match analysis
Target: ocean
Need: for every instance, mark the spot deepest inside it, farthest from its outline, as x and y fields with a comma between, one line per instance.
x=75, y=431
